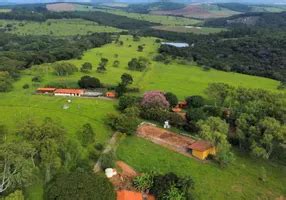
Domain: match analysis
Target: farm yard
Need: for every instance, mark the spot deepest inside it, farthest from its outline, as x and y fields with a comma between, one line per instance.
x=144, y=156
x=63, y=27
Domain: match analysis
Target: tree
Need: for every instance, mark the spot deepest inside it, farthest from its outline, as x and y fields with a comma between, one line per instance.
x=196, y=114
x=195, y=101
x=86, y=135
x=79, y=185
x=154, y=99
x=171, y=98
x=219, y=92
x=64, y=69
x=174, y=194
x=37, y=79
x=126, y=79
x=107, y=160
x=116, y=63
x=16, y=165
x=127, y=101
x=120, y=89
x=140, y=48
x=163, y=184
x=139, y=64
x=47, y=138
x=5, y=82
x=102, y=65
x=123, y=123
x=89, y=82
x=86, y=67
x=270, y=133
x=215, y=130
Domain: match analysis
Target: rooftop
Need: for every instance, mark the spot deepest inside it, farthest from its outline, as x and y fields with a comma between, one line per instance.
x=69, y=91
x=200, y=145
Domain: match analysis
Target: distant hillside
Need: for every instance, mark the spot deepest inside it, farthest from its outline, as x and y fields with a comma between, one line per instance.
x=263, y=20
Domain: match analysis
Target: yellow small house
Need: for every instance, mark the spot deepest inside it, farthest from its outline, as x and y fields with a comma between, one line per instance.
x=201, y=149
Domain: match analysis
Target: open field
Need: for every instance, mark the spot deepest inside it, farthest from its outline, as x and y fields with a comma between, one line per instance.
x=189, y=29
x=202, y=11
x=4, y=10
x=63, y=27
x=164, y=20
x=238, y=181
x=191, y=78
x=59, y=7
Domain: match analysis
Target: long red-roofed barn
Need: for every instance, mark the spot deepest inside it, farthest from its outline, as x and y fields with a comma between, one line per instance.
x=69, y=92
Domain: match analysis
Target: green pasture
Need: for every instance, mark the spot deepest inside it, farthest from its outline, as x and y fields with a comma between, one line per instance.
x=4, y=10
x=182, y=79
x=238, y=181
x=58, y=27
x=189, y=29
x=161, y=19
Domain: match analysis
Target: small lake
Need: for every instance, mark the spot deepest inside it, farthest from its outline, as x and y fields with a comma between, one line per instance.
x=176, y=44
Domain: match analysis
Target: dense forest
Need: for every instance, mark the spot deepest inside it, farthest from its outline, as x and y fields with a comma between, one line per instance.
x=20, y=52
x=260, y=19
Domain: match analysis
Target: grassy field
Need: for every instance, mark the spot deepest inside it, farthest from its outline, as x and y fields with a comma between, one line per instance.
x=161, y=19
x=63, y=27
x=202, y=11
x=238, y=181
x=182, y=79
x=189, y=29
x=4, y=10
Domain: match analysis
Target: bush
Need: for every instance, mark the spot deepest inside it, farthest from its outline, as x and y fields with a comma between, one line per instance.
x=107, y=160
x=79, y=185
x=196, y=114
x=172, y=99
x=127, y=101
x=37, y=79
x=143, y=182
x=195, y=101
x=98, y=146
x=5, y=82
x=26, y=86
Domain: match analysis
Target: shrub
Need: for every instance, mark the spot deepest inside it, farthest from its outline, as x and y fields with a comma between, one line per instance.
x=107, y=160
x=143, y=182
x=37, y=79
x=98, y=146
x=79, y=185
x=172, y=99
x=195, y=101
x=154, y=99
x=5, y=82
x=127, y=101
x=26, y=86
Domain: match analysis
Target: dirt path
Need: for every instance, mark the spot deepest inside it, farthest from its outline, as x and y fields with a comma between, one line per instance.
x=112, y=144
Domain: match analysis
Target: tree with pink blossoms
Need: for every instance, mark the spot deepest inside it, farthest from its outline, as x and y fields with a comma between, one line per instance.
x=155, y=99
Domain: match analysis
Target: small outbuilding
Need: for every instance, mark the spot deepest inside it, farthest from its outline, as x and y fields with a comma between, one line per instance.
x=110, y=94
x=201, y=149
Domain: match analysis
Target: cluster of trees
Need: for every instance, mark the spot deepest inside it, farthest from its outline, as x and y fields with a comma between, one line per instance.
x=147, y=7
x=89, y=82
x=64, y=69
x=138, y=64
x=165, y=186
x=44, y=150
x=21, y=52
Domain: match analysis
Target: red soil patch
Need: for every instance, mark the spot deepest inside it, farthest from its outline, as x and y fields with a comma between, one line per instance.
x=58, y=7
x=124, y=177
x=172, y=141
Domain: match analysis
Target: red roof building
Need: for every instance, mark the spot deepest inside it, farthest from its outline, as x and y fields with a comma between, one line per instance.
x=110, y=94
x=46, y=90
x=69, y=92
x=130, y=195
x=201, y=149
